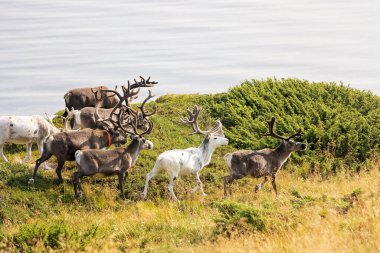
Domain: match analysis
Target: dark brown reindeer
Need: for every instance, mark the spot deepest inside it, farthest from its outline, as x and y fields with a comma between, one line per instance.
x=84, y=97
x=261, y=163
x=112, y=162
x=64, y=145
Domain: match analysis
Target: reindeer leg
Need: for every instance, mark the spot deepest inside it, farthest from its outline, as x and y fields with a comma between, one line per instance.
x=43, y=158
x=40, y=146
x=121, y=184
x=228, y=180
x=124, y=179
x=149, y=176
x=274, y=183
x=76, y=183
x=2, y=153
x=58, y=170
x=171, y=188
x=259, y=186
x=226, y=186
x=28, y=152
x=199, y=184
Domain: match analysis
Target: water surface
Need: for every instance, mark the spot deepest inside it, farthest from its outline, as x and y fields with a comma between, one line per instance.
x=49, y=47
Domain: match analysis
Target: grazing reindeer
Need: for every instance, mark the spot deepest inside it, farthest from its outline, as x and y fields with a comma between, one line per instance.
x=64, y=145
x=84, y=97
x=25, y=130
x=111, y=162
x=261, y=163
x=191, y=160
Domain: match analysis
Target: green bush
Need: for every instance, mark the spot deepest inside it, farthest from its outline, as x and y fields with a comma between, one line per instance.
x=54, y=235
x=336, y=120
x=238, y=218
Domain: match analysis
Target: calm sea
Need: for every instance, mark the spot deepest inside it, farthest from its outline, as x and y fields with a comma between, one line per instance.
x=48, y=47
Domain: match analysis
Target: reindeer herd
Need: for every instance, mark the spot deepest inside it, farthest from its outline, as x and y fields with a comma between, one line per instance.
x=97, y=118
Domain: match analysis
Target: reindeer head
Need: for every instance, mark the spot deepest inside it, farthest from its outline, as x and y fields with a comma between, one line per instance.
x=286, y=142
x=215, y=135
x=143, y=143
x=117, y=137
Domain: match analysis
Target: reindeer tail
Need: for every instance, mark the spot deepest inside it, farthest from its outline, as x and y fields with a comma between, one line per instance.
x=228, y=157
x=78, y=155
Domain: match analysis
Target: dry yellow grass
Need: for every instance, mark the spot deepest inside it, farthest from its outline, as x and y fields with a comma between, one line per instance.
x=323, y=226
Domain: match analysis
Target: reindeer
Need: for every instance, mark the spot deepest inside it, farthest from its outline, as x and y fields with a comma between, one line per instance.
x=84, y=97
x=191, y=160
x=111, y=162
x=25, y=130
x=64, y=145
x=261, y=163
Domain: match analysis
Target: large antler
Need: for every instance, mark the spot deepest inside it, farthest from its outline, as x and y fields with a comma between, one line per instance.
x=122, y=112
x=192, y=121
x=133, y=124
x=141, y=107
x=129, y=120
x=126, y=120
x=143, y=83
x=273, y=134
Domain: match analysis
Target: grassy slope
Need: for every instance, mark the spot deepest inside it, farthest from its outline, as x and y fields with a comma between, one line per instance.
x=340, y=213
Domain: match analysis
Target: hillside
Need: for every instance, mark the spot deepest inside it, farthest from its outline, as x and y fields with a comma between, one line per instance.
x=335, y=119
x=329, y=195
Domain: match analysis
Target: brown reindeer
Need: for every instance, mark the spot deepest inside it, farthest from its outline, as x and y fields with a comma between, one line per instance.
x=111, y=162
x=261, y=163
x=84, y=97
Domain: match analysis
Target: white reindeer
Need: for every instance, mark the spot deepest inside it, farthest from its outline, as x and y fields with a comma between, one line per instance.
x=191, y=160
x=25, y=130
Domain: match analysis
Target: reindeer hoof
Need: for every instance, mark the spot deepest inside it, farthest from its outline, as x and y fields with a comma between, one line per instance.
x=257, y=187
x=78, y=195
x=31, y=181
x=204, y=194
x=143, y=196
